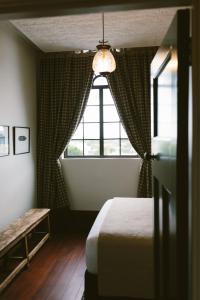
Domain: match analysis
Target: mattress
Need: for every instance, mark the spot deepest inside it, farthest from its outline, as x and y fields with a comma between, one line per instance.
x=92, y=239
x=121, y=242
x=125, y=250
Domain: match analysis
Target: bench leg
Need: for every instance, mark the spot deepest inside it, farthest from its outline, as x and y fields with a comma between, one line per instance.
x=5, y=263
x=48, y=224
x=26, y=250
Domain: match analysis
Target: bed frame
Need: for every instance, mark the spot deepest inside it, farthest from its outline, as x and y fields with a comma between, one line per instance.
x=91, y=289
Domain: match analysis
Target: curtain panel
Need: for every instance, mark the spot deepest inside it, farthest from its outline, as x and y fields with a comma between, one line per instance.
x=64, y=85
x=130, y=87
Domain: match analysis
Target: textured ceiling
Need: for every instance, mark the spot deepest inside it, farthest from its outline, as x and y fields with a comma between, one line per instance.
x=125, y=29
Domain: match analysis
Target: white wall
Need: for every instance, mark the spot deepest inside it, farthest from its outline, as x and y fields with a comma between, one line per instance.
x=17, y=108
x=92, y=181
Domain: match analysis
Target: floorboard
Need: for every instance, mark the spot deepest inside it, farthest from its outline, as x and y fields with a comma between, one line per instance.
x=55, y=273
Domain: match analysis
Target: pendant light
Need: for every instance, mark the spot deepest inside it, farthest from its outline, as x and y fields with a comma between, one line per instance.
x=103, y=62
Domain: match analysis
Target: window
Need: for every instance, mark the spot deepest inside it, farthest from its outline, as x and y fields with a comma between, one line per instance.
x=100, y=132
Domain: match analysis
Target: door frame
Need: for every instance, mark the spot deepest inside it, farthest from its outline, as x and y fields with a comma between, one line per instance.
x=31, y=8
x=17, y=9
x=195, y=160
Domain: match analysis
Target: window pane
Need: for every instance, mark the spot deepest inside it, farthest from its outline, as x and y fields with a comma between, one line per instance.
x=166, y=114
x=111, y=130
x=107, y=97
x=111, y=147
x=167, y=108
x=91, y=148
x=100, y=80
x=110, y=114
x=93, y=97
x=123, y=133
x=79, y=132
x=126, y=148
x=91, y=114
x=91, y=131
x=75, y=148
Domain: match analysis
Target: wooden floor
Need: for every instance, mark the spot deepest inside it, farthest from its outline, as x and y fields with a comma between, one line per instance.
x=55, y=273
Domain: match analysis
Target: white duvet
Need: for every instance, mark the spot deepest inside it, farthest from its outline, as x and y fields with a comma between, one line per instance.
x=119, y=248
x=92, y=239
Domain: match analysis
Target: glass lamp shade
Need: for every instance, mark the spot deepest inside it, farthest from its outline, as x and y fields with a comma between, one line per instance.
x=103, y=62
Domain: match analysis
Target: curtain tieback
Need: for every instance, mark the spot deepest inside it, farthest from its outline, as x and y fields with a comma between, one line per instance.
x=148, y=156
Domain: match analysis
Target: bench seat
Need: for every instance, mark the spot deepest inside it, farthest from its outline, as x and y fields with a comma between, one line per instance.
x=17, y=237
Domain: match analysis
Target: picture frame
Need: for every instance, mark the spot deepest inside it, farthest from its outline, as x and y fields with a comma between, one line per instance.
x=21, y=140
x=4, y=140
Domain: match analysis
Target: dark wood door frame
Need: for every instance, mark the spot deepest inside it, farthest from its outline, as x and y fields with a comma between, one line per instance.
x=195, y=157
x=30, y=8
x=170, y=172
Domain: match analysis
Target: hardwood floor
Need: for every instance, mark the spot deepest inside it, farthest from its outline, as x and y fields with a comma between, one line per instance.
x=55, y=273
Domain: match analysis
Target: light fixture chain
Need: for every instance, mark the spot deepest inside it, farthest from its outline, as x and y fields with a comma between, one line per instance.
x=103, y=25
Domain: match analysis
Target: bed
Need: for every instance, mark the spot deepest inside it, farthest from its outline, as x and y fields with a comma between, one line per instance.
x=119, y=251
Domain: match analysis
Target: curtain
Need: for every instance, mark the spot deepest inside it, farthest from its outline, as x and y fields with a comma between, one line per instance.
x=130, y=87
x=64, y=85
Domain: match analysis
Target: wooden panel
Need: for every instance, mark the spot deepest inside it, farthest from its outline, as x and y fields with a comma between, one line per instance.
x=182, y=159
x=156, y=190
x=166, y=242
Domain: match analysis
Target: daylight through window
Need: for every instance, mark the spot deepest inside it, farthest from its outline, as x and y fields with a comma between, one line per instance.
x=100, y=132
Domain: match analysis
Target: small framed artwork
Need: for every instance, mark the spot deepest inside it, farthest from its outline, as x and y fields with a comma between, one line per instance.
x=4, y=140
x=21, y=140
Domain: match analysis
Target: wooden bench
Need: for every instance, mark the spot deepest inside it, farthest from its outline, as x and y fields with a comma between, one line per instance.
x=19, y=242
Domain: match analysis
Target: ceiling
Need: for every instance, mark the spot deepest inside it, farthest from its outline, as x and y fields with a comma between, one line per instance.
x=138, y=28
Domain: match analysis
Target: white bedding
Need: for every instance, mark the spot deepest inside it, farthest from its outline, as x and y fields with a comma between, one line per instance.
x=92, y=239
x=125, y=250
x=140, y=226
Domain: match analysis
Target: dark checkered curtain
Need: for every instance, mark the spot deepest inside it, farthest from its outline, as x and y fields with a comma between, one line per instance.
x=64, y=84
x=130, y=87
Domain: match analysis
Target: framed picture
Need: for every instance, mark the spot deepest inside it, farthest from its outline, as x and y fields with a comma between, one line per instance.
x=21, y=141
x=4, y=140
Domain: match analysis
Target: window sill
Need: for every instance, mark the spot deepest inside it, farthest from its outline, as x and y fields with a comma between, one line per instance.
x=99, y=158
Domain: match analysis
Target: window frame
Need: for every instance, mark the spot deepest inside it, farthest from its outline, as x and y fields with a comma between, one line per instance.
x=101, y=123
